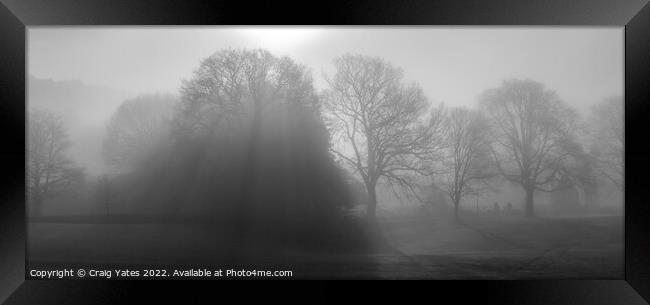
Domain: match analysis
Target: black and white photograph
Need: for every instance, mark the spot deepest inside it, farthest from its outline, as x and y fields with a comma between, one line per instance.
x=326, y=152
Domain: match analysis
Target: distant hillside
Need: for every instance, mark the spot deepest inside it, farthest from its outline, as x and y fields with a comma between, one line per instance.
x=85, y=110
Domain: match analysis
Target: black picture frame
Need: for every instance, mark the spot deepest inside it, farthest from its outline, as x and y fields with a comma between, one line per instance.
x=17, y=15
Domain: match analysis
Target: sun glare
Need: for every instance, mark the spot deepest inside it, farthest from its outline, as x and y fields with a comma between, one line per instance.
x=280, y=38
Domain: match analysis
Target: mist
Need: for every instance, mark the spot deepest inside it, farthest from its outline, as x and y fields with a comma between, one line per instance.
x=406, y=152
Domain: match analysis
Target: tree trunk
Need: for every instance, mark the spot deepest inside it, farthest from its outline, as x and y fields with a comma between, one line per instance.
x=371, y=210
x=372, y=182
x=36, y=205
x=456, y=204
x=529, y=209
x=36, y=201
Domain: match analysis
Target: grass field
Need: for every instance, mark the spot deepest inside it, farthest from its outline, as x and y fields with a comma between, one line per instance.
x=419, y=246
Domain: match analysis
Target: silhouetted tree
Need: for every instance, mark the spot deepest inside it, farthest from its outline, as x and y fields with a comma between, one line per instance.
x=252, y=145
x=48, y=169
x=382, y=121
x=466, y=155
x=532, y=135
x=607, y=139
x=137, y=128
x=232, y=90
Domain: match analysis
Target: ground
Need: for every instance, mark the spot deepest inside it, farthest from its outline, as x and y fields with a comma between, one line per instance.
x=509, y=248
x=419, y=246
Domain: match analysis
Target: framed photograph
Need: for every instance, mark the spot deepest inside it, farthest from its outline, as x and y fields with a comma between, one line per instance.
x=485, y=152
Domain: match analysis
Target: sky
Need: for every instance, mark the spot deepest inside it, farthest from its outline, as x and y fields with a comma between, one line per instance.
x=453, y=65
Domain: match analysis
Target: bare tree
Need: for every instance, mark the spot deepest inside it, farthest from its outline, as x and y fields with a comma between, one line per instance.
x=382, y=122
x=465, y=161
x=234, y=88
x=607, y=139
x=136, y=128
x=532, y=135
x=48, y=169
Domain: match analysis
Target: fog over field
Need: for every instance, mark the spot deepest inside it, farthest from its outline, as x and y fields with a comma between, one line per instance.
x=346, y=152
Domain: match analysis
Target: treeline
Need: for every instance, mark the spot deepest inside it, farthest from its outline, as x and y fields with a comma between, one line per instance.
x=248, y=139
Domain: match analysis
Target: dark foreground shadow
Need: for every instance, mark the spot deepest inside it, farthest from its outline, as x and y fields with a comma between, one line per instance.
x=343, y=250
